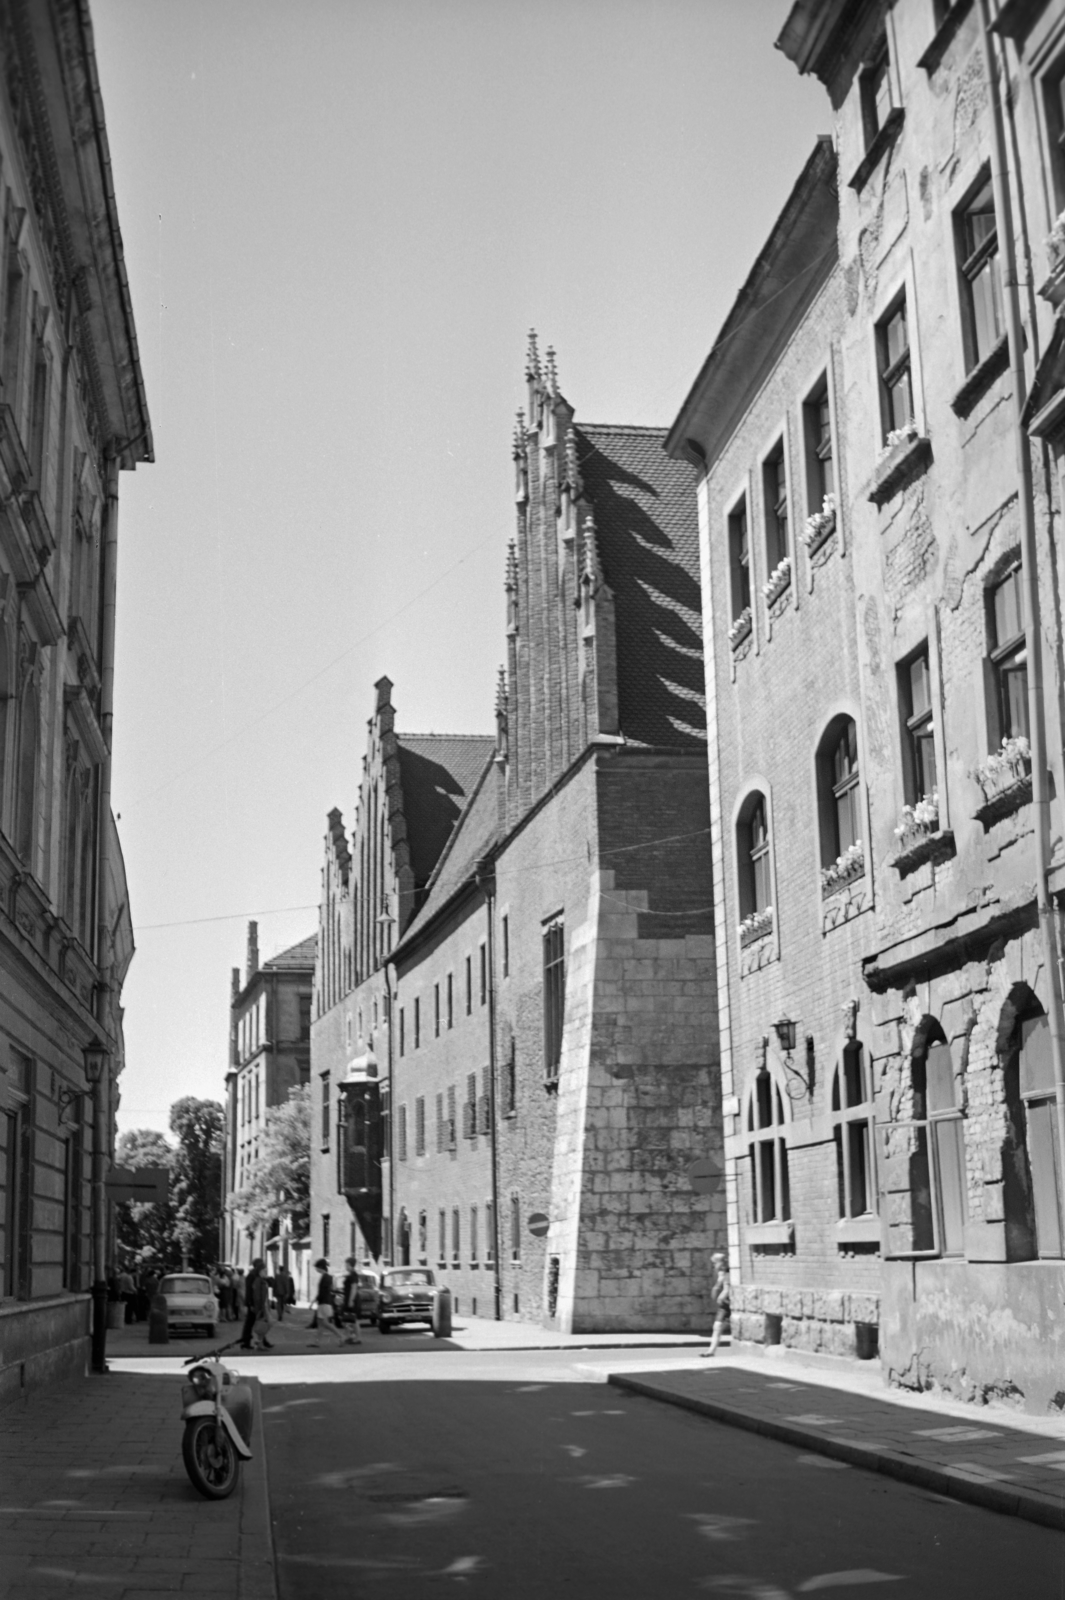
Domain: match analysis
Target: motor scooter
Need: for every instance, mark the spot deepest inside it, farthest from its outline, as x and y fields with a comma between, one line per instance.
x=216, y=1408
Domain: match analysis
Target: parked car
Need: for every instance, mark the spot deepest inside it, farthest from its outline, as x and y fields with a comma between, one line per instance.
x=407, y=1295
x=190, y=1302
x=367, y=1297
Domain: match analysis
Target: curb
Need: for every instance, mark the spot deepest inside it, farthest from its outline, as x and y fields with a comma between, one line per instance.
x=1025, y=1503
x=258, y=1566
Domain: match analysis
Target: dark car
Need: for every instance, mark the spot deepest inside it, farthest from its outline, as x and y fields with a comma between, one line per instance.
x=407, y=1295
x=367, y=1297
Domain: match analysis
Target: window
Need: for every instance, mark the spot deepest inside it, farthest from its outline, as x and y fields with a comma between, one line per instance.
x=820, y=464
x=469, y=1110
x=918, y=737
x=775, y=493
x=39, y=415
x=1009, y=658
x=510, y=1082
x=419, y=1125
x=402, y=1030
x=921, y=1156
x=893, y=363
x=755, y=867
x=489, y=1233
x=473, y=1236
x=469, y=985
x=305, y=1017
x=483, y=955
x=739, y=560
x=452, y=1129
x=451, y=999
x=441, y=1139
x=875, y=89
x=839, y=798
x=441, y=1254
x=456, y=1236
x=1054, y=90
x=386, y=1123
x=554, y=997
x=325, y=1109
x=981, y=282
x=506, y=947
x=484, y=1118
x=436, y=1010
x=1031, y=1171
x=770, y=1200
x=26, y=794
x=325, y=1235
x=515, y=1227
x=417, y=1023
x=852, y=1115
x=948, y=1146
x=403, y=1133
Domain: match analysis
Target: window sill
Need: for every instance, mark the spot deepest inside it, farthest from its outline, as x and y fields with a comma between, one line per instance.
x=858, y=1230
x=737, y=638
x=761, y=1235
x=843, y=879
x=778, y=592
x=1005, y=802
x=878, y=149
x=822, y=535
x=935, y=847
x=757, y=930
x=944, y=35
x=981, y=378
x=900, y=466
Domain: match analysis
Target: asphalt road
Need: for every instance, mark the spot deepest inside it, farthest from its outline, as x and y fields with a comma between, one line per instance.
x=511, y=1475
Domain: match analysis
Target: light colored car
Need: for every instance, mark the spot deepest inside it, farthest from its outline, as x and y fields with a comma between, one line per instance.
x=190, y=1302
x=407, y=1295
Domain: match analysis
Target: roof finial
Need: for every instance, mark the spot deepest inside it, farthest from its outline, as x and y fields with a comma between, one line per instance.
x=520, y=438
x=551, y=373
x=511, y=579
x=501, y=692
x=572, y=471
x=532, y=359
x=591, y=552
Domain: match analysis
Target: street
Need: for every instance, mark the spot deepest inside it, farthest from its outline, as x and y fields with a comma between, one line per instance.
x=520, y=1475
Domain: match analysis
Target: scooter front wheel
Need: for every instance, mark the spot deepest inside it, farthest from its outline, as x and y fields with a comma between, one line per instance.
x=210, y=1460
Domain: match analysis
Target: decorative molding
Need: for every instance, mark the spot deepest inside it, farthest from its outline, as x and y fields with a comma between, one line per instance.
x=944, y=35
x=982, y=376
x=83, y=717
x=885, y=138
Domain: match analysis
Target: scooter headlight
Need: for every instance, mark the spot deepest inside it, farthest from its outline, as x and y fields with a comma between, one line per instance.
x=203, y=1381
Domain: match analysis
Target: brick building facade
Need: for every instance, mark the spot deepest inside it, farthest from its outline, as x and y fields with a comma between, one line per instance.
x=72, y=415
x=930, y=1150
x=269, y=1056
x=556, y=991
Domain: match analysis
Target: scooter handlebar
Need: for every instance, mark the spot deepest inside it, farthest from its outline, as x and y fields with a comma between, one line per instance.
x=212, y=1355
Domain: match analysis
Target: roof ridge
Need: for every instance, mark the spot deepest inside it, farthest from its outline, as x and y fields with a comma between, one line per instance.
x=490, y=737
x=622, y=427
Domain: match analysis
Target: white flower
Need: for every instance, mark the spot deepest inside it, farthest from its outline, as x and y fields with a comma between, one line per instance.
x=741, y=625
x=819, y=522
x=777, y=578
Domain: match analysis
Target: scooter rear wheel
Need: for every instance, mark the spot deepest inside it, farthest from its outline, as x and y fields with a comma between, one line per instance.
x=210, y=1460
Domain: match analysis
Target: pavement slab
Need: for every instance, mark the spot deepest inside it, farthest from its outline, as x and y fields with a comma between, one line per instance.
x=997, y=1465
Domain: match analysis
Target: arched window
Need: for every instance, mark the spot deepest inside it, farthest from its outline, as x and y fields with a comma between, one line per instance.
x=921, y=1157
x=770, y=1199
x=755, y=866
x=1032, y=1179
x=948, y=1146
x=852, y=1116
x=838, y=791
x=29, y=734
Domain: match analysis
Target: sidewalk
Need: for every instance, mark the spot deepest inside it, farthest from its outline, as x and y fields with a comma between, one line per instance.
x=94, y=1500
x=992, y=1458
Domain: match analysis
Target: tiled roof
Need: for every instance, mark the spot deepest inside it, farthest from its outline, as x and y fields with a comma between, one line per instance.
x=476, y=833
x=297, y=955
x=648, y=537
x=438, y=772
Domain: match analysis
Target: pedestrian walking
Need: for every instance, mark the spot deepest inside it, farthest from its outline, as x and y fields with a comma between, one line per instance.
x=284, y=1291
x=127, y=1293
x=257, y=1314
x=722, y=1292
x=349, y=1294
x=238, y=1294
x=325, y=1309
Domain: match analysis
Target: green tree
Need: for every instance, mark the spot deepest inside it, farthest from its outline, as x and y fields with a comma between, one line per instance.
x=196, y=1187
x=279, y=1183
x=147, y=1231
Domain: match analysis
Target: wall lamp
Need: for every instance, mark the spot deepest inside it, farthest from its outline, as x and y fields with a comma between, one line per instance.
x=93, y=1057
x=799, y=1084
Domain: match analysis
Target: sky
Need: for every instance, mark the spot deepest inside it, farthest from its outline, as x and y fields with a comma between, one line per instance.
x=340, y=220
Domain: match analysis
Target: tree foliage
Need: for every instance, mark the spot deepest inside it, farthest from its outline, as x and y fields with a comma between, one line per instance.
x=279, y=1183
x=196, y=1185
x=146, y=1230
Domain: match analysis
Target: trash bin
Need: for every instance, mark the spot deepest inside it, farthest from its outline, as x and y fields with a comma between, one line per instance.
x=158, y=1326
x=442, y=1314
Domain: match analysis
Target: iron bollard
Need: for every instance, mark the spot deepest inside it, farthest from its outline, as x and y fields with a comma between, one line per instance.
x=158, y=1326
x=442, y=1314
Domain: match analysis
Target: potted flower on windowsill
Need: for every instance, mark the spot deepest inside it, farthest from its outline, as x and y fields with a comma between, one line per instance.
x=1054, y=287
x=1005, y=780
x=820, y=525
x=920, y=837
x=844, y=870
x=740, y=628
x=778, y=580
x=757, y=925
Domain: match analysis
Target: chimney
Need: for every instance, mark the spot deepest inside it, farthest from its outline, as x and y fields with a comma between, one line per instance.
x=253, y=951
x=234, y=983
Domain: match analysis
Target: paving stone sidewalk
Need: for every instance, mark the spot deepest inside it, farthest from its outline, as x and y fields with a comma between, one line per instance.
x=985, y=1460
x=94, y=1500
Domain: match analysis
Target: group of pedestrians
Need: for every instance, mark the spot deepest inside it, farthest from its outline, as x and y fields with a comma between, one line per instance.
x=134, y=1290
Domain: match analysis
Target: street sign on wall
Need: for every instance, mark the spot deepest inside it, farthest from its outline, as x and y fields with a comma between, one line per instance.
x=149, y=1185
x=538, y=1224
x=704, y=1175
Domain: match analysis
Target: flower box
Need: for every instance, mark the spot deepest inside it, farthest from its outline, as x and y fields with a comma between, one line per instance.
x=905, y=456
x=740, y=629
x=779, y=580
x=819, y=526
x=759, y=925
x=844, y=870
x=920, y=845
x=1005, y=780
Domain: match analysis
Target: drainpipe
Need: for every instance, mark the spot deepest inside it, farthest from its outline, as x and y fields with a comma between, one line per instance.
x=104, y=952
x=390, y=975
x=1033, y=629
x=486, y=882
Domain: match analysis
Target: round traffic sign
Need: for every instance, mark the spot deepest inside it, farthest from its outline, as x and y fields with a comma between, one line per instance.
x=538, y=1224
x=704, y=1175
